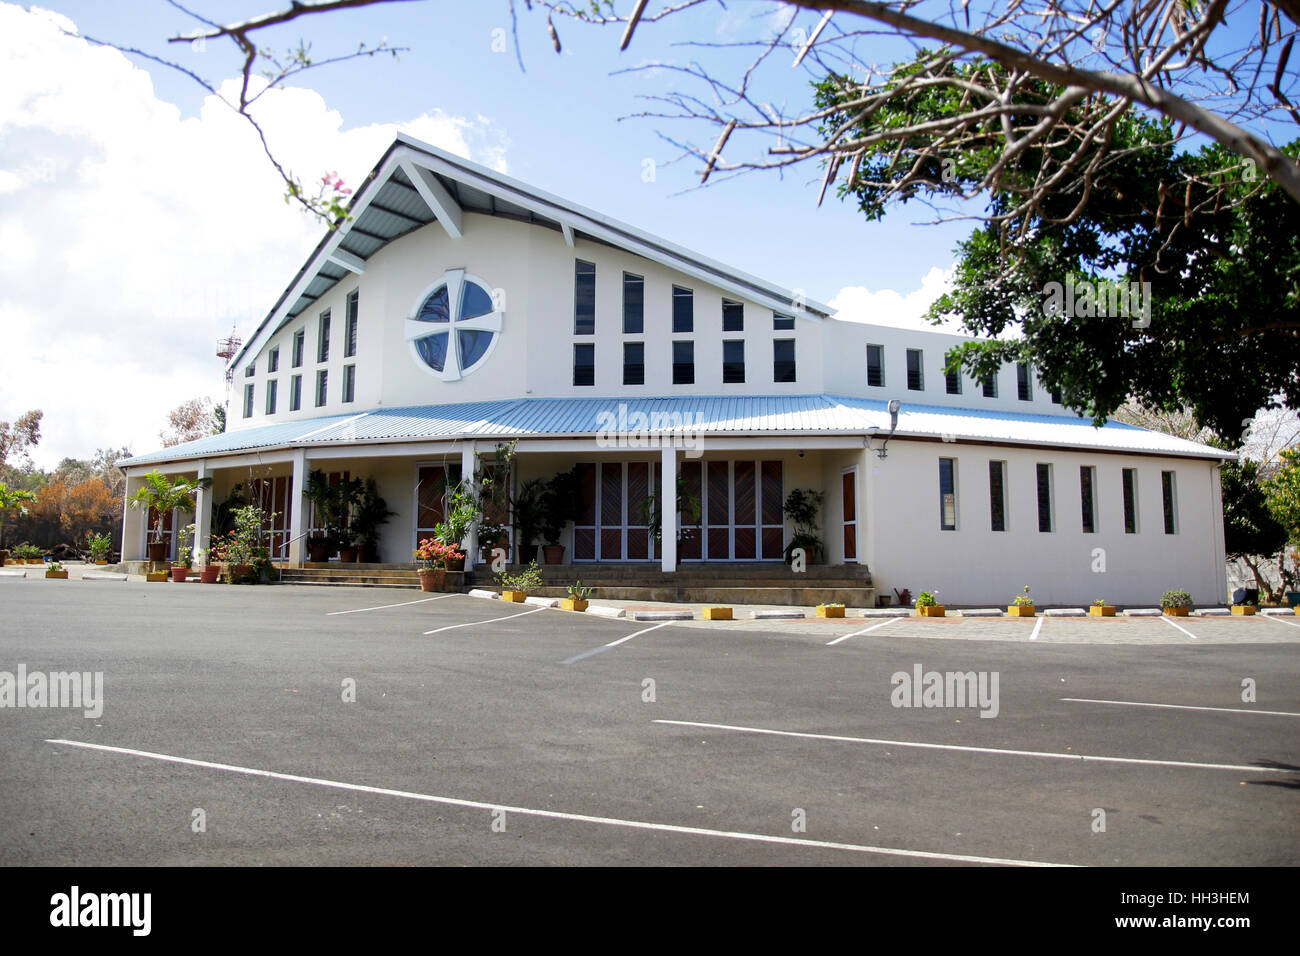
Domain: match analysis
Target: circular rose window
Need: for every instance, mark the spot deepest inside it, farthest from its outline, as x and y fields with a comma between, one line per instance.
x=454, y=326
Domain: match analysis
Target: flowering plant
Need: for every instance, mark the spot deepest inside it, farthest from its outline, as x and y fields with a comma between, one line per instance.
x=1024, y=600
x=433, y=554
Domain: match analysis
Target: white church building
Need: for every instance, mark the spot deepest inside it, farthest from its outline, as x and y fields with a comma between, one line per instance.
x=459, y=308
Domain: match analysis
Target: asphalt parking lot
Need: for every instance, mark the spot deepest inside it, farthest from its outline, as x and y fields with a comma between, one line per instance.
x=352, y=726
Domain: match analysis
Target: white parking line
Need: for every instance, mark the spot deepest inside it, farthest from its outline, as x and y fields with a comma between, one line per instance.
x=1238, y=768
x=1273, y=617
x=865, y=630
x=1038, y=626
x=381, y=607
x=604, y=647
x=556, y=814
x=1179, y=626
x=491, y=620
x=1222, y=710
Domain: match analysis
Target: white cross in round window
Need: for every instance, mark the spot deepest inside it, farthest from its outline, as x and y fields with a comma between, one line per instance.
x=452, y=342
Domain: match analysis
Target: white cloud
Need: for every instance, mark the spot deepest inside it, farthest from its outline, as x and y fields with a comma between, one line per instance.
x=856, y=303
x=131, y=238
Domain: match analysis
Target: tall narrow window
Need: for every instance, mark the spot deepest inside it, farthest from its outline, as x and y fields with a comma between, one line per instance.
x=1170, y=492
x=584, y=298
x=952, y=381
x=250, y=370
x=270, y=396
x=733, y=316
x=248, y=400
x=1024, y=382
x=683, y=310
x=1044, y=497
x=633, y=363
x=876, y=365
x=915, y=372
x=322, y=387
x=947, y=494
x=350, y=338
x=273, y=360
x=1056, y=398
x=323, y=337
x=1087, y=501
x=991, y=387
x=299, y=340
x=683, y=363
x=633, y=304
x=584, y=364
x=733, y=361
x=998, y=495
x=783, y=369
x=349, y=383
x=295, y=393
x=1130, y=501
x=782, y=323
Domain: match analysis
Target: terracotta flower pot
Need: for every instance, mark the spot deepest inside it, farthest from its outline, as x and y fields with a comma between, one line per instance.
x=179, y=574
x=433, y=579
x=209, y=574
x=240, y=571
x=318, y=550
x=457, y=564
x=157, y=551
x=553, y=553
x=348, y=555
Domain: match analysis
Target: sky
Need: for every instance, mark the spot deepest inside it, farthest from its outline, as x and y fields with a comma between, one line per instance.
x=140, y=221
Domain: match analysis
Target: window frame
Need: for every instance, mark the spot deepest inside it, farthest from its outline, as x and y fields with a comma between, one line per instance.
x=1088, y=498
x=1169, y=500
x=628, y=366
x=683, y=310
x=349, y=383
x=944, y=524
x=581, y=349
x=638, y=313
x=729, y=366
x=998, y=503
x=272, y=390
x=1129, y=492
x=323, y=337
x=351, y=323
x=322, y=387
x=1046, y=493
x=579, y=320
x=880, y=368
x=793, y=361
x=688, y=345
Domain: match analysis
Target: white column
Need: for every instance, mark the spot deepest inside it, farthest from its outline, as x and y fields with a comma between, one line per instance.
x=467, y=475
x=298, y=509
x=668, y=508
x=133, y=523
x=202, y=511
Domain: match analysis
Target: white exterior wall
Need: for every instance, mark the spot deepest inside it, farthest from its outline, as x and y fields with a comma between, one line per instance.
x=975, y=564
x=533, y=355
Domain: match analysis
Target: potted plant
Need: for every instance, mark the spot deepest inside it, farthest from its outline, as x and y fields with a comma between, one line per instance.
x=55, y=570
x=577, y=599
x=369, y=511
x=1023, y=605
x=928, y=606
x=243, y=549
x=802, y=506
x=157, y=577
x=28, y=554
x=527, y=509
x=1176, y=603
x=1099, y=608
x=163, y=496
x=516, y=585
x=462, y=514
x=11, y=499
x=559, y=506
x=1244, y=610
x=333, y=505
x=492, y=537
x=834, y=609
x=100, y=547
x=208, y=570
x=719, y=613
x=434, y=556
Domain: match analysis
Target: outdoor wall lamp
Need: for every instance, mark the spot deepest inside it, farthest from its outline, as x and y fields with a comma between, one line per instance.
x=874, y=430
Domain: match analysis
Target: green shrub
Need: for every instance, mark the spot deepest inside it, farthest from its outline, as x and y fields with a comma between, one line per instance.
x=1176, y=599
x=526, y=579
x=926, y=599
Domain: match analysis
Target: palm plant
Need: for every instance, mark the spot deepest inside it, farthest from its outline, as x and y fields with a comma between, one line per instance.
x=165, y=496
x=12, y=499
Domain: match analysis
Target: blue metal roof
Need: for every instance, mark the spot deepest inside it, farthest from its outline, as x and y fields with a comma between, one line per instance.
x=705, y=415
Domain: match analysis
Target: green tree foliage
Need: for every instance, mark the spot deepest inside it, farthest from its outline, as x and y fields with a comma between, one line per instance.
x=1216, y=248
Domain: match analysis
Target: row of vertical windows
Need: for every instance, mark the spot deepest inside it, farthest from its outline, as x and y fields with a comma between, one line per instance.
x=584, y=306
x=784, y=367
x=952, y=380
x=1046, y=505
x=295, y=391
